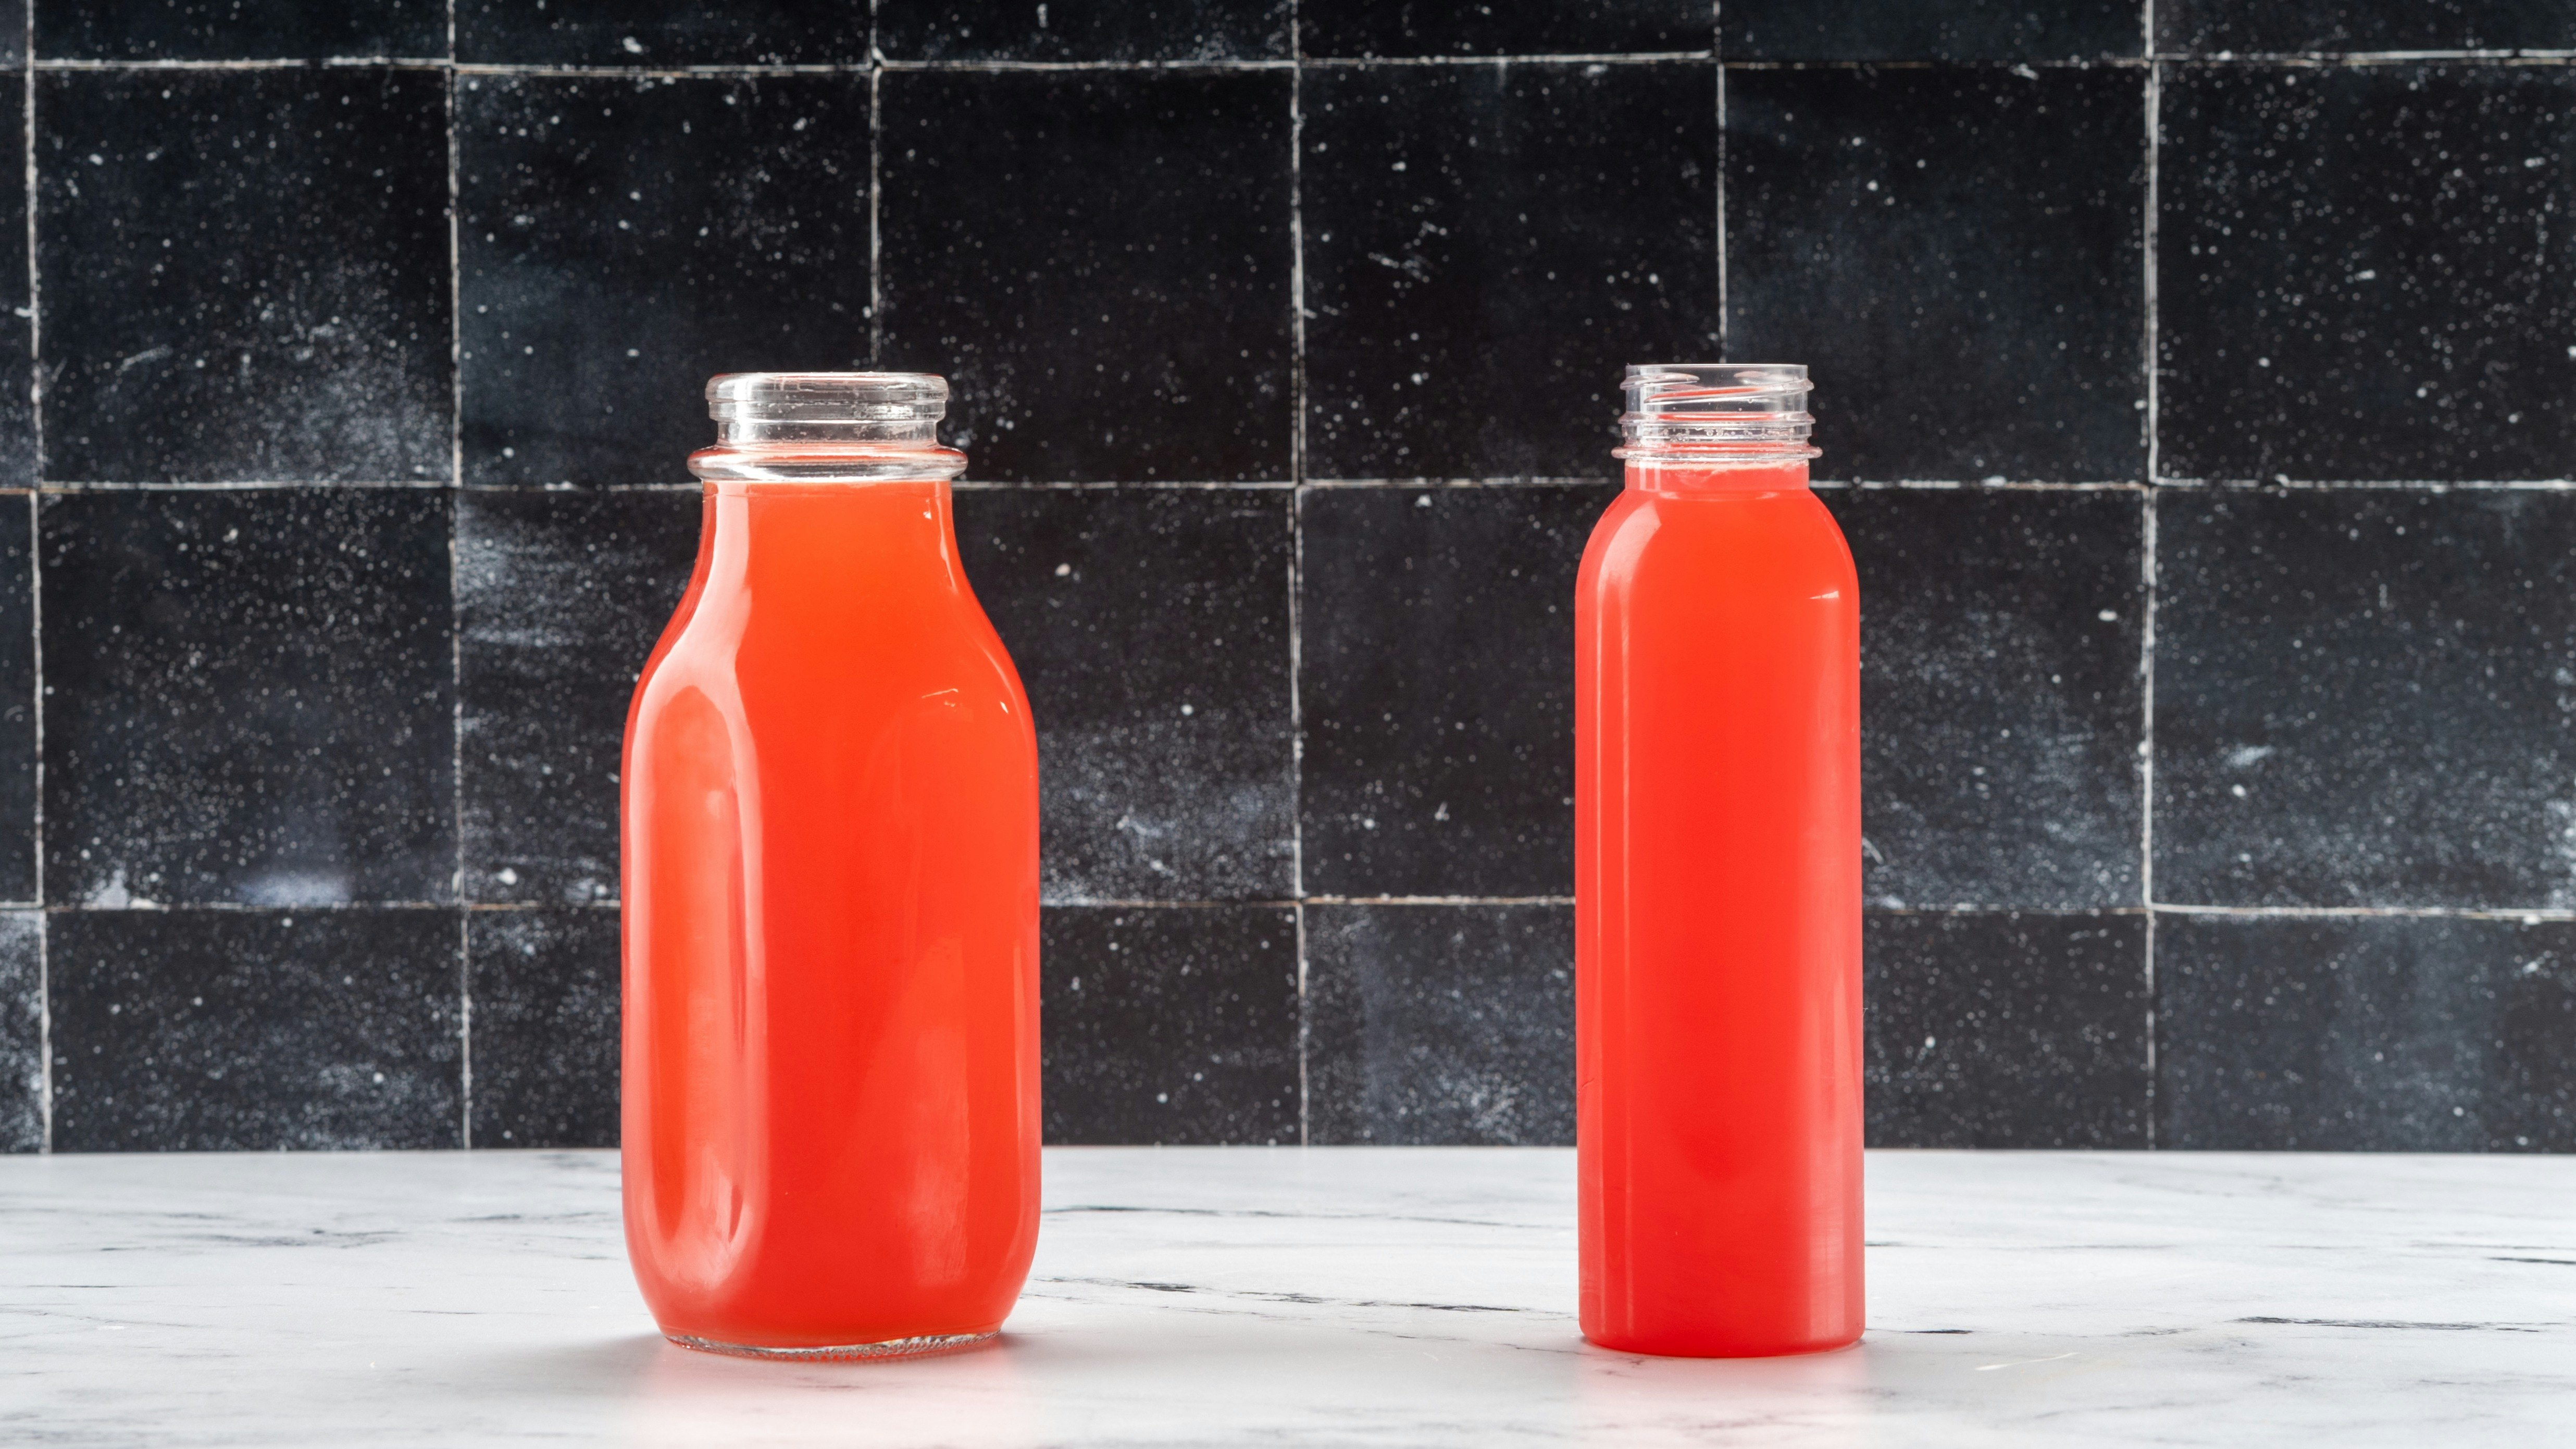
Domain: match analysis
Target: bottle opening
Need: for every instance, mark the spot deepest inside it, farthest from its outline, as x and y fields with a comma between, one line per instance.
x=827, y=427
x=1716, y=414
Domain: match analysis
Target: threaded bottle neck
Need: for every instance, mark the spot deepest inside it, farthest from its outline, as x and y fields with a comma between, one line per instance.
x=849, y=427
x=1715, y=415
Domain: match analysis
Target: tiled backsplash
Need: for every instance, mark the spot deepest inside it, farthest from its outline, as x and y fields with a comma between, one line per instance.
x=2220, y=750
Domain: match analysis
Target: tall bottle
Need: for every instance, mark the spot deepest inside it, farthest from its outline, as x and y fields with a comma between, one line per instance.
x=831, y=900
x=1717, y=882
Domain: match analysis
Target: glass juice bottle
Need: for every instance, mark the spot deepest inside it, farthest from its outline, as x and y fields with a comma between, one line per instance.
x=1717, y=883
x=831, y=900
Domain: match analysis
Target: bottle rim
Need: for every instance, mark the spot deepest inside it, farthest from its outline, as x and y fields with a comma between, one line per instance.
x=827, y=397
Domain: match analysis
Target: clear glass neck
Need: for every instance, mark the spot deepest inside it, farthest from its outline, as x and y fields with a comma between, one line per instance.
x=1701, y=416
x=827, y=427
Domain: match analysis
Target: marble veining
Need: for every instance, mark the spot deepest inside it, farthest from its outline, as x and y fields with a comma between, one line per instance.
x=1355, y=1296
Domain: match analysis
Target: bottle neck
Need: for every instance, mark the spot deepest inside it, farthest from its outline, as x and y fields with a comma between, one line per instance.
x=824, y=453
x=1655, y=475
x=1716, y=426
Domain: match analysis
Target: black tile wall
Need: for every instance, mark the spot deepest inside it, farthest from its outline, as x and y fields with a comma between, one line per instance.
x=1437, y=688
x=1170, y=31
x=2359, y=272
x=659, y=34
x=1998, y=1029
x=1408, y=28
x=2366, y=1033
x=1172, y=1025
x=22, y=1031
x=2002, y=670
x=17, y=324
x=1486, y=248
x=349, y=368
x=18, y=806
x=246, y=275
x=1959, y=329
x=2207, y=27
x=1172, y=775
x=251, y=1031
x=166, y=30
x=1135, y=320
x=1440, y=1024
x=559, y=598
x=249, y=697
x=544, y=1035
x=1957, y=30
x=622, y=240
x=2365, y=698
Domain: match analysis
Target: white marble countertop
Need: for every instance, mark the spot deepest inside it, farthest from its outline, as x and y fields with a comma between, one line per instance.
x=1361, y=1296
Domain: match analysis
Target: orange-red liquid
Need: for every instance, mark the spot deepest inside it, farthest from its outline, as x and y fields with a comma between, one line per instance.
x=831, y=907
x=1717, y=918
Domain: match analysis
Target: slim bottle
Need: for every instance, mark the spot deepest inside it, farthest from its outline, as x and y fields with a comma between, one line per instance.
x=1717, y=883
x=831, y=900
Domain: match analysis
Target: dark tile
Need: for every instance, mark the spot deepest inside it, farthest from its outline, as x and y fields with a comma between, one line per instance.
x=1170, y=1025
x=2006, y=1030
x=246, y=275
x=2375, y=1033
x=1440, y=1025
x=1487, y=248
x=22, y=1031
x=660, y=33
x=622, y=240
x=237, y=29
x=1929, y=30
x=2002, y=694
x=17, y=697
x=248, y=697
x=2363, y=698
x=1165, y=30
x=544, y=985
x=1960, y=268
x=13, y=32
x=1134, y=323
x=211, y=1031
x=2360, y=273
x=1481, y=27
x=1151, y=628
x=560, y=597
x=2208, y=27
x=1437, y=688
x=17, y=321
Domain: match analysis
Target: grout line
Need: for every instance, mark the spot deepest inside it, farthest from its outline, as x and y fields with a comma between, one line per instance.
x=244, y=485
x=2149, y=238
x=2526, y=914
x=1005, y=486
x=1721, y=212
x=876, y=192
x=456, y=597
x=2147, y=784
x=36, y=608
x=2531, y=916
x=2302, y=60
x=2151, y=343
x=1297, y=562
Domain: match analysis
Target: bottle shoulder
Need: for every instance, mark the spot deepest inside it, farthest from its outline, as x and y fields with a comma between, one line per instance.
x=1724, y=540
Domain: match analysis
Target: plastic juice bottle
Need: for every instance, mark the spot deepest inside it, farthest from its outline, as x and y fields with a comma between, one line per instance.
x=831, y=900
x=1717, y=883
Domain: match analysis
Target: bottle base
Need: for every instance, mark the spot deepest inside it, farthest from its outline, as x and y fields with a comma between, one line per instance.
x=1670, y=1349
x=925, y=1344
